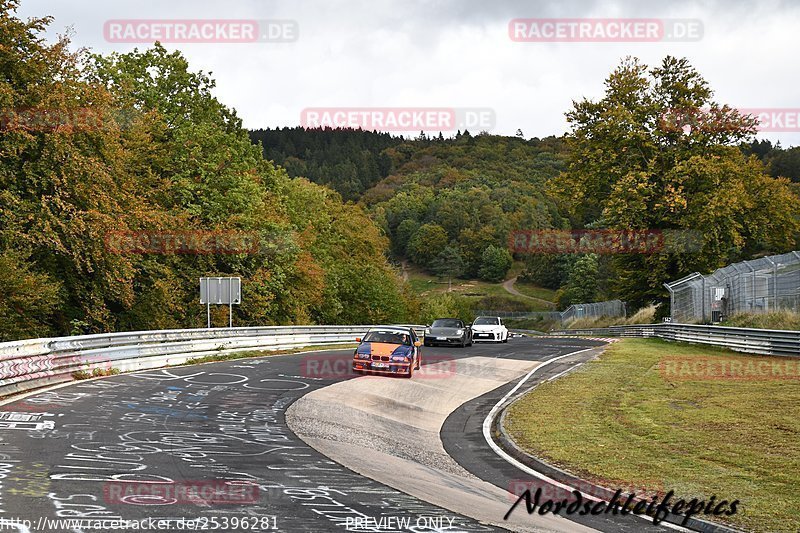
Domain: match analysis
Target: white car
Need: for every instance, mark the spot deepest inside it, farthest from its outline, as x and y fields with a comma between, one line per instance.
x=489, y=328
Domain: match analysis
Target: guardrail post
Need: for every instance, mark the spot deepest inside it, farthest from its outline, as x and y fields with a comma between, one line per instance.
x=797, y=303
x=671, y=301
x=774, y=284
x=753, y=289
x=703, y=300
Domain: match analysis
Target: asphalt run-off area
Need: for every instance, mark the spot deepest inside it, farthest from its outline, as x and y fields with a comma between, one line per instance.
x=208, y=447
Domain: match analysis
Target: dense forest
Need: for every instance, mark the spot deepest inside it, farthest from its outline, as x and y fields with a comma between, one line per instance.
x=442, y=201
x=349, y=162
x=94, y=146
x=449, y=204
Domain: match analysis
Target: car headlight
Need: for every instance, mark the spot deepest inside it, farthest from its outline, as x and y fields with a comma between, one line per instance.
x=459, y=331
x=363, y=356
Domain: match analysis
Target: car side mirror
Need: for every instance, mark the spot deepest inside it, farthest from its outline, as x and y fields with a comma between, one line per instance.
x=417, y=343
x=358, y=339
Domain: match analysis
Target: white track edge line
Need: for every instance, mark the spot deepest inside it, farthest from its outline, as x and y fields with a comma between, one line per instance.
x=487, y=435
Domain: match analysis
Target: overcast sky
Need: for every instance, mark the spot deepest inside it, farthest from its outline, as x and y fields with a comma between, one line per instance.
x=451, y=53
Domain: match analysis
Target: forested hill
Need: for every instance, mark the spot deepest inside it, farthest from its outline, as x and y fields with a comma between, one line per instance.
x=449, y=204
x=430, y=192
x=348, y=161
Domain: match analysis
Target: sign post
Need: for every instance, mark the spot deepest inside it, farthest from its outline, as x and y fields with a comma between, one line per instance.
x=220, y=291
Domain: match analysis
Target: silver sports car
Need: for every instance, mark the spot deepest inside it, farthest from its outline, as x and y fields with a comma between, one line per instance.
x=448, y=331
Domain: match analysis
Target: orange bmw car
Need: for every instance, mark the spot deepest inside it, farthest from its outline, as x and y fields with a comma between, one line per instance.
x=388, y=350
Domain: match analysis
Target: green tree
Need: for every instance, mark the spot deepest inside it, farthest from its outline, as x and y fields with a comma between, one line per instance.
x=28, y=299
x=405, y=230
x=65, y=178
x=449, y=264
x=546, y=270
x=159, y=153
x=785, y=163
x=445, y=305
x=426, y=243
x=581, y=284
x=656, y=152
x=473, y=245
x=495, y=263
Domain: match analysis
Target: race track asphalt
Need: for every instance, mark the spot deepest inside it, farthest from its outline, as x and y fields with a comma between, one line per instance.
x=206, y=447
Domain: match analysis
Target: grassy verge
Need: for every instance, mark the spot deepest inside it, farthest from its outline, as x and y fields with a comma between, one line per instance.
x=535, y=291
x=638, y=416
x=774, y=320
x=480, y=294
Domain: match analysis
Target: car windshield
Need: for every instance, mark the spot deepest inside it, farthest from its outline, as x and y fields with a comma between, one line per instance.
x=486, y=321
x=389, y=337
x=447, y=323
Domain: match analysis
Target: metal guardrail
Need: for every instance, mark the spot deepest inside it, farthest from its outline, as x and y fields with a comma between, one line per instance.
x=749, y=340
x=33, y=363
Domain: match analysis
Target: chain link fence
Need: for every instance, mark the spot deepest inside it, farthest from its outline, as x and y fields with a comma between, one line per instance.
x=758, y=286
x=611, y=308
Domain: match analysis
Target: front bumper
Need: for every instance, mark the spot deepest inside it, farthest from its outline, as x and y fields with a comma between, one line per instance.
x=430, y=339
x=488, y=336
x=381, y=365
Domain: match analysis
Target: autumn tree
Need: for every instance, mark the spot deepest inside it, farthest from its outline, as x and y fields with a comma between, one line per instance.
x=93, y=145
x=657, y=152
x=426, y=243
x=65, y=181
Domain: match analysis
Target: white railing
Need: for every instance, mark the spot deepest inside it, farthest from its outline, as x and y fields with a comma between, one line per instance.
x=33, y=363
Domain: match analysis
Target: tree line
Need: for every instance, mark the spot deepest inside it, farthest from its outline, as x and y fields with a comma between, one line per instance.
x=656, y=152
x=95, y=145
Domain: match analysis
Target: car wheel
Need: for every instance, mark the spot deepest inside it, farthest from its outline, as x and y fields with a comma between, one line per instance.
x=506, y=338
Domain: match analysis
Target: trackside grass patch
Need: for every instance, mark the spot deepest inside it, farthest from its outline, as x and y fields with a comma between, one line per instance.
x=701, y=421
